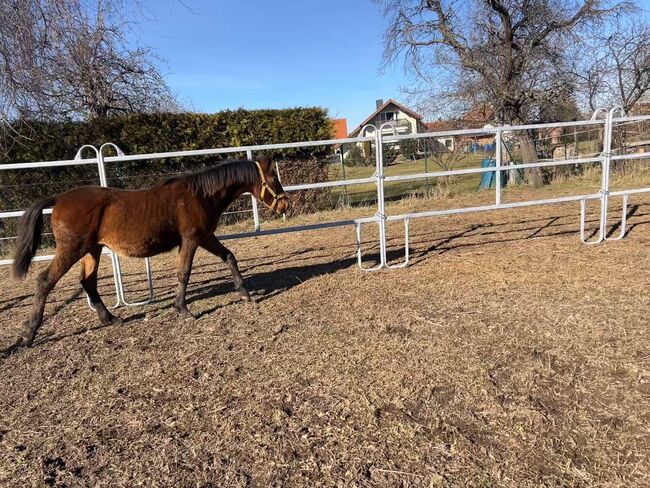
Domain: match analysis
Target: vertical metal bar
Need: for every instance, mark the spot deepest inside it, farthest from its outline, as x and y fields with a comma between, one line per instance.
x=256, y=213
x=359, y=257
x=406, y=248
x=498, y=166
x=346, y=200
x=117, y=271
x=621, y=234
x=117, y=268
x=583, y=219
x=607, y=158
x=381, y=204
x=103, y=182
x=277, y=172
x=610, y=120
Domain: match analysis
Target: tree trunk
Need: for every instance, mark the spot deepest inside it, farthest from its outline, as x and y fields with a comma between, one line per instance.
x=532, y=176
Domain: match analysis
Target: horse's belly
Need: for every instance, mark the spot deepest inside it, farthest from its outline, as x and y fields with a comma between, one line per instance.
x=138, y=250
x=136, y=231
x=141, y=246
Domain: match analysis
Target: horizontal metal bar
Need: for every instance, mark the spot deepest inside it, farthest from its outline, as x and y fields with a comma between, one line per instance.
x=530, y=203
x=306, y=186
x=298, y=228
x=469, y=171
x=552, y=125
x=230, y=150
x=491, y=130
x=327, y=184
x=628, y=192
x=19, y=213
x=631, y=118
x=48, y=257
x=451, y=133
x=47, y=164
x=45, y=257
x=642, y=155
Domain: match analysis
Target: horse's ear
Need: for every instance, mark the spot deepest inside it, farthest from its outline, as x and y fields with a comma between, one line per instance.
x=264, y=160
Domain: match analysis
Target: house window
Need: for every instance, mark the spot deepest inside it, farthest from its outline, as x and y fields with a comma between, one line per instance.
x=386, y=116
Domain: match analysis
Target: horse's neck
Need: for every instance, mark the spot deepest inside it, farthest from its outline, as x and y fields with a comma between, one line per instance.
x=218, y=203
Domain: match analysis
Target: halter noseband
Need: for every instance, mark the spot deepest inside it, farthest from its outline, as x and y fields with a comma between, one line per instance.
x=266, y=187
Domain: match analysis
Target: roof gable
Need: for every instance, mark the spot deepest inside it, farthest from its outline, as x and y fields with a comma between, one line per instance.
x=388, y=102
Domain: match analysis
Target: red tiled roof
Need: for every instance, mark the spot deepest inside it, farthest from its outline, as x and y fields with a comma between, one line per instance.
x=439, y=125
x=340, y=128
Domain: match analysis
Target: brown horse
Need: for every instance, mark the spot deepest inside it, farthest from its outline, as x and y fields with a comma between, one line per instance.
x=181, y=211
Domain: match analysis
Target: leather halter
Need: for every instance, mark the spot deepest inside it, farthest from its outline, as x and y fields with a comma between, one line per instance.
x=267, y=188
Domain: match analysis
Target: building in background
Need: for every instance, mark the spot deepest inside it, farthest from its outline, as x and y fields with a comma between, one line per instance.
x=401, y=118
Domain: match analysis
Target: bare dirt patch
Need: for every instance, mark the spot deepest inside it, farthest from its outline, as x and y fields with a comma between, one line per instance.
x=508, y=354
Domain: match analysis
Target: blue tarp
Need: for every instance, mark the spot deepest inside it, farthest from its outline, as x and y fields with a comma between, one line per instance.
x=488, y=179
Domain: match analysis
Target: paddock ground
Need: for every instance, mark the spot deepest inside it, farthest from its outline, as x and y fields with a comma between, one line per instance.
x=507, y=354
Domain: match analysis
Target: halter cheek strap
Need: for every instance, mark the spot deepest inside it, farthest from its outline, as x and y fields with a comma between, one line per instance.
x=267, y=188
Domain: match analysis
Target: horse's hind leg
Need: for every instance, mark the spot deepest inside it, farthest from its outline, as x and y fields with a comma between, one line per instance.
x=212, y=245
x=88, y=279
x=59, y=266
x=185, y=258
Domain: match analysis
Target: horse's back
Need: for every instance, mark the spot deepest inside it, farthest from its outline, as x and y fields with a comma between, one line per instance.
x=135, y=223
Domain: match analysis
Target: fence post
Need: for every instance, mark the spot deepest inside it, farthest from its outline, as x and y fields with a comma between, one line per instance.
x=256, y=214
x=607, y=159
x=346, y=201
x=101, y=170
x=379, y=215
x=498, y=165
x=381, y=201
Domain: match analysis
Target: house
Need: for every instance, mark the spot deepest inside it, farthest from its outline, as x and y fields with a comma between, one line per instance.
x=399, y=119
x=440, y=125
x=638, y=134
x=642, y=106
x=478, y=117
x=402, y=119
x=394, y=118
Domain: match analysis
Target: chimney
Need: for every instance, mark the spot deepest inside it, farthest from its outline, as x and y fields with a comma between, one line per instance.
x=379, y=103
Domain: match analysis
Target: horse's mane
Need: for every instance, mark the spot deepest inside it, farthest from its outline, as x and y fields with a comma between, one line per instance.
x=211, y=180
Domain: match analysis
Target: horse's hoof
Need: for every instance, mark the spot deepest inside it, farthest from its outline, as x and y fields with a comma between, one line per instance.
x=244, y=295
x=184, y=313
x=19, y=344
x=112, y=320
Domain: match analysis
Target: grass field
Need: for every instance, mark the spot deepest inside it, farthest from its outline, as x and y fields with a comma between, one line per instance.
x=506, y=355
x=368, y=192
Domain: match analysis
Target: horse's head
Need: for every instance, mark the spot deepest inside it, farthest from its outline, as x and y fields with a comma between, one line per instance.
x=269, y=191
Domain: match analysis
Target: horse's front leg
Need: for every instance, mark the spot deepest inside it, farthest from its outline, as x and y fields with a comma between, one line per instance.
x=185, y=258
x=212, y=245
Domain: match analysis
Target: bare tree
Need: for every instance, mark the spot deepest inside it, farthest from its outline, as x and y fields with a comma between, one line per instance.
x=617, y=71
x=70, y=59
x=509, y=54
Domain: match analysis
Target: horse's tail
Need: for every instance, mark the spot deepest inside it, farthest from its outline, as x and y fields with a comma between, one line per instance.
x=29, y=236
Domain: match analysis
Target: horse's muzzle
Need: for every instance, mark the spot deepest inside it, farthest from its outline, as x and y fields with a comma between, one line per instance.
x=282, y=206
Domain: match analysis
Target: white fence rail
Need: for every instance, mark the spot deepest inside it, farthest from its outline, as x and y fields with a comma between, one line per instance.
x=381, y=217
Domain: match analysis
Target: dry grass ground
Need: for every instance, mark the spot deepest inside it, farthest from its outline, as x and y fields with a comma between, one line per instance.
x=507, y=354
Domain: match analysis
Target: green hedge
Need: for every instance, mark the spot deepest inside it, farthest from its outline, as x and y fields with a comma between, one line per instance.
x=147, y=133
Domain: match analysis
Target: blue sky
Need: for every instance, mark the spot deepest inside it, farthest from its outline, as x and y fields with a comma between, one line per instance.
x=225, y=54
x=273, y=54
